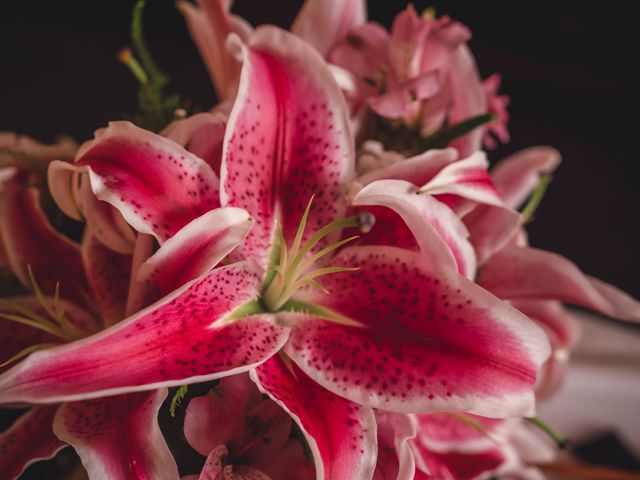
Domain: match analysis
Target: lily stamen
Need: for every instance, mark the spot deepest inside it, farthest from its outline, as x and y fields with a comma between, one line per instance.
x=293, y=271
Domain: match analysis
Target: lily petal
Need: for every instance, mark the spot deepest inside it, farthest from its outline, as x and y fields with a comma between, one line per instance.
x=108, y=276
x=469, y=98
x=133, y=169
x=528, y=273
x=395, y=458
x=196, y=248
x=324, y=23
x=467, y=178
x=490, y=229
x=419, y=338
x=216, y=468
x=31, y=241
x=341, y=434
x=210, y=24
x=516, y=176
x=287, y=139
x=441, y=235
x=184, y=338
x=118, y=438
x=418, y=170
x=202, y=134
x=104, y=220
x=28, y=440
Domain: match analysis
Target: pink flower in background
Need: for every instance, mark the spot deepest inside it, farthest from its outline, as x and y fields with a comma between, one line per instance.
x=76, y=290
x=421, y=73
x=244, y=435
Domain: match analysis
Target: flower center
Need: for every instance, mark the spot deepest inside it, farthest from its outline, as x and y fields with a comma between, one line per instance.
x=294, y=267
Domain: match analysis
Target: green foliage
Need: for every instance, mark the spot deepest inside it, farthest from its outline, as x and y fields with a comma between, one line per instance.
x=156, y=108
x=177, y=398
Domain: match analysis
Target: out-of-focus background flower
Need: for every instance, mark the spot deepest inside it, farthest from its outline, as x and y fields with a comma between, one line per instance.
x=570, y=68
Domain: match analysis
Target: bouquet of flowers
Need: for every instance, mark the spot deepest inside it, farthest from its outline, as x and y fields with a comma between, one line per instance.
x=319, y=277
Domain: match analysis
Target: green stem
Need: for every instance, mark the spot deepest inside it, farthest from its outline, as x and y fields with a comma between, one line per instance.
x=560, y=440
x=536, y=198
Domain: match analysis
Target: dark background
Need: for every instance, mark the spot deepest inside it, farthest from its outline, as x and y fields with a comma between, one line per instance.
x=569, y=67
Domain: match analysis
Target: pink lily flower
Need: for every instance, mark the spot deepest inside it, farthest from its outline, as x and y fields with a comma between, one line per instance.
x=396, y=331
x=421, y=72
x=51, y=317
x=243, y=434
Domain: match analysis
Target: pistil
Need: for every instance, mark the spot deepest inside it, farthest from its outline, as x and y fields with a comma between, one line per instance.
x=294, y=269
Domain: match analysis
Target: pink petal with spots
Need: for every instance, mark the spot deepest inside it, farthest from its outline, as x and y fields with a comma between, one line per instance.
x=490, y=229
x=440, y=234
x=341, y=434
x=108, y=275
x=118, y=438
x=287, y=139
x=421, y=338
x=213, y=419
x=133, y=170
x=528, y=273
x=395, y=458
x=418, y=170
x=516, y=176
x=202, y=134
x=183, y=338
x=196, y=248
x=28, y=440
x=466, y=178
x=324, y=23
x=30, y=240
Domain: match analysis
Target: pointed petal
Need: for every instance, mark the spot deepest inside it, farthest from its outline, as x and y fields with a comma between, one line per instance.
x=422, y=338
x=132, y=169
x=418, y=170
x=196, y=248
x=324, y=23
x=202, y=134
x=118, y=438
x=490, y=229
x=523, y=272
x=466, y=178
x=442, y=237
x=287, y=139
x=469, y=99
x=214, y=419
x=183, y=338
x=209, y=27
x=104, y=220
x=28, y=440
x=31, y=241
x=395, y=458
x=516, y=176
x=108, y=277
x=341, y=434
